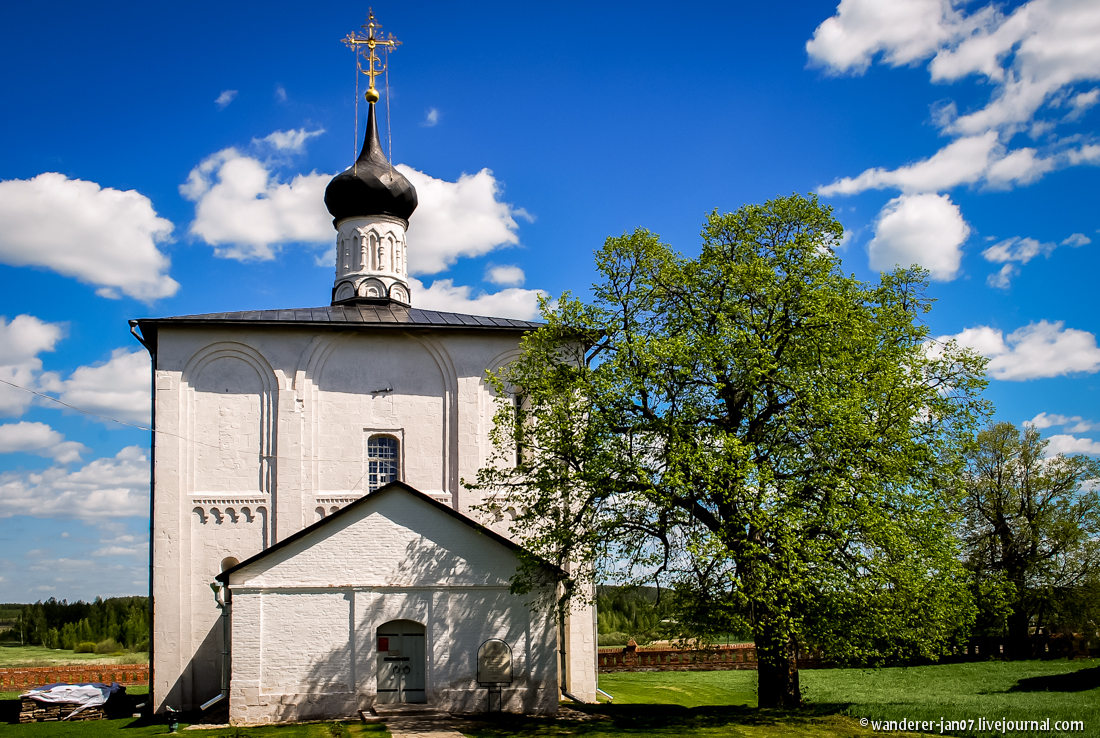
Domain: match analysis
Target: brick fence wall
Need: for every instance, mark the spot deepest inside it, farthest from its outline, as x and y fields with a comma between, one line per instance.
x=670, y=659
x=743, y=655
x=639, y=658
x=17, y=679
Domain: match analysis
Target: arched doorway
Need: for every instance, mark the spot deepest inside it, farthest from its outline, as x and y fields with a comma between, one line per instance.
x=401, y=665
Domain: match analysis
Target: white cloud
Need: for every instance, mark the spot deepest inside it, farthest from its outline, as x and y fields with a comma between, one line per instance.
x=505, y=275
x=1071, y=423
x=971, y=160
x=280, y=93
x=26, y=336
x=1087, y=154
x=455, y=219
x=1034, y=58
x=246, y=213
x=1019, y=167
x=1002, y=279
x=1082, y=102
x=903, y=31
x=105, y=489
x=41, y=440
x=293, y=141
x=99, y=236
x=1066, y=444
x=119, y=551
x=961, y=162
x=444, y=295
x=225, y=98
x=920, y=229
x=1043, y=47
x=118, y=388
x=431, y=118
x=1018, y=249
x=1037, y=350
x=21, y=341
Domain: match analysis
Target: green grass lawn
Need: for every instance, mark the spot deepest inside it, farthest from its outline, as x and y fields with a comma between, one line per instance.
x=1021, y=690
x=723, y=703
x=673, y=721
x=14, y=655
x=684, y=688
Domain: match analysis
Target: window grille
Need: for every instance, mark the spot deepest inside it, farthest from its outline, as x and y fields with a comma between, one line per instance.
x=382, y=461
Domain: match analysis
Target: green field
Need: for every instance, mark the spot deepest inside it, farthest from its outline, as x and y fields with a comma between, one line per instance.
x=13, y=655
x=1022, y=690
x=723, y=703
x=717, y=703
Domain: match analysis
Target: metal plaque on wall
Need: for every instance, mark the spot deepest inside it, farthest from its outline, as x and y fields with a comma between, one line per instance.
x=494, y=662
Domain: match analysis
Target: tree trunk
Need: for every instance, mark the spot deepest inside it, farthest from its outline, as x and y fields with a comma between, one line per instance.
x=777, y=672
x=1019, y=632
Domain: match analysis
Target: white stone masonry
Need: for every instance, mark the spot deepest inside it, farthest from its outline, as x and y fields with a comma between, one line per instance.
x=371, y=259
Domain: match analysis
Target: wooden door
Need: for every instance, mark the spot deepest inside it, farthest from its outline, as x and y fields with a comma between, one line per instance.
x=401, y=662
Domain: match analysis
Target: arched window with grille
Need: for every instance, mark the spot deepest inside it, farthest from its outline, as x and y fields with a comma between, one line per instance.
x=382, y=461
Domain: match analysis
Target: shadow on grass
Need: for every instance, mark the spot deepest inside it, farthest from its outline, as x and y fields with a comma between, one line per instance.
x=643, y=719
x=1074, y=681
x=9, y=711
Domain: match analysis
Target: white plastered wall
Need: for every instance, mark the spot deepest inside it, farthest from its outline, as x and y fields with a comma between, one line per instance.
x=305, y=617
x=265, y=426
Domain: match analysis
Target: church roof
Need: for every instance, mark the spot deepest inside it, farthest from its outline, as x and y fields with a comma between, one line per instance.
x=340, y=317
x=371, y=186
x=390, y=314
x=389, y=488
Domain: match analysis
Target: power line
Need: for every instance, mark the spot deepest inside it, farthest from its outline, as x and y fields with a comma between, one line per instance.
x=176, y=435
x=78, y=409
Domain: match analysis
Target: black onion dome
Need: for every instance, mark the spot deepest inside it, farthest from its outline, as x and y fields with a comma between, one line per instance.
x=371, y=186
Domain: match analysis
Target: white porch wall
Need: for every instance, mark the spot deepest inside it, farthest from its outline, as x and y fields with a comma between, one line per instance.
x=319, y=601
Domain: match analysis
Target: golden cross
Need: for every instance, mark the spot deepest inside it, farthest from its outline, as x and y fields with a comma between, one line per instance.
x=371, y=40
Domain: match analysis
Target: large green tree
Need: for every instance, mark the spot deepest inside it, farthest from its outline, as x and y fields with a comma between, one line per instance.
x=1033, y=522
x=777, y=440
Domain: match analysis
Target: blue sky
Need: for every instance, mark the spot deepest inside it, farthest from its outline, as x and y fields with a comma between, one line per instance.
x=172, y=160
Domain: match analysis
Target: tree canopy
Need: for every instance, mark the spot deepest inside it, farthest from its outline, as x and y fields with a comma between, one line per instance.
x=1032, y=523
x=778, y=442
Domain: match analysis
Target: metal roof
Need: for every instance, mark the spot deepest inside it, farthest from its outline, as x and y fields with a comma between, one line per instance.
x=336, y=317
x=380, y=314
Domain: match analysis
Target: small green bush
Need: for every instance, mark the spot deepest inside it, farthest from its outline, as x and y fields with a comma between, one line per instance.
x=613, y=639
x=85, y=647
x=108, y=646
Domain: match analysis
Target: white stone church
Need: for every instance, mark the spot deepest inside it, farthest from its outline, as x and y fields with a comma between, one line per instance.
x=306, y=469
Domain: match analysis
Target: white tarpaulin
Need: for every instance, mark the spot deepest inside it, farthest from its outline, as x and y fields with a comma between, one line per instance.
x=85, y=695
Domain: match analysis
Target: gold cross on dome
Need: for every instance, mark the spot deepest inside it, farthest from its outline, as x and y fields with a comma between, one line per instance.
x=371, y=40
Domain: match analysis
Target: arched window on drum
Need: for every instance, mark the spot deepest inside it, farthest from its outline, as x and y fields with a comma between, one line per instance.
x=383, y=455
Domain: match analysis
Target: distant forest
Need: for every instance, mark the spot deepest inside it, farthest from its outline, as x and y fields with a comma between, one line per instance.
x=630, y=612
x=623, y=613
x=61, y=624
